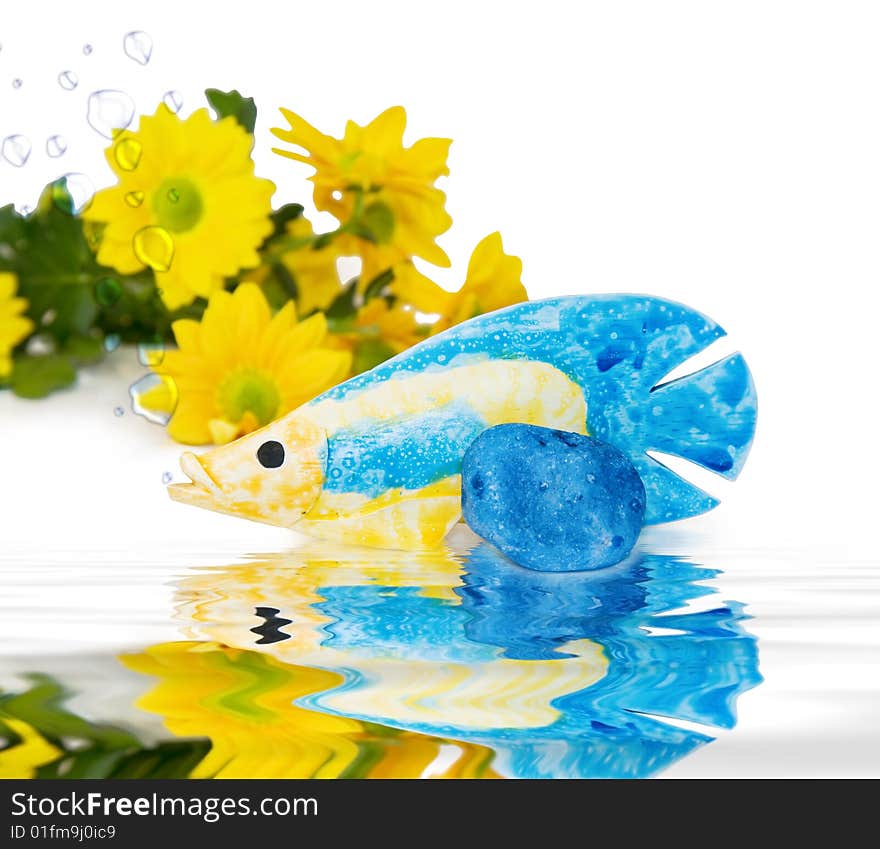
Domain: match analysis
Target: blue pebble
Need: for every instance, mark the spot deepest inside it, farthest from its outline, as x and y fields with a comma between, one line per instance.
x=552, y=500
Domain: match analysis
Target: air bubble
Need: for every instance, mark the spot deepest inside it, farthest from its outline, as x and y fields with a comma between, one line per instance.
x=148, y=383
x=109, y=111
x=111, y=342
x=16, y=83
x=173, y=100
x=56, y=146
x=108, y=290
x=87, y=49
x=127, y=153
x=154, y=247
x=167, y=477
x=72, y=193
x=173, y=195
x=138, y=46
x=68, y=80
x=16, y=150
x=134, y=199
x=151, y=353
x=118, y=412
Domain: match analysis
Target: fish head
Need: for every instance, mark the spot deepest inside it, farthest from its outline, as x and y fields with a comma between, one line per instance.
x=273, y=475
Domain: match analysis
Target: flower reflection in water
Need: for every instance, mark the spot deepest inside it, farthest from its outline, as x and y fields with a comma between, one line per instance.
x=566, y=674
x=336, y=662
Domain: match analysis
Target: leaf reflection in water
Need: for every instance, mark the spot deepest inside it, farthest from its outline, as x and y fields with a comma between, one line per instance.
x=337, y=662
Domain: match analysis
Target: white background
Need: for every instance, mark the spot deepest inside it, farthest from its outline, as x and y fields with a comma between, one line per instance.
x=725, y=155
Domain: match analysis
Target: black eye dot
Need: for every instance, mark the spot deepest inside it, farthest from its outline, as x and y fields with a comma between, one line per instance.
x=271, y=454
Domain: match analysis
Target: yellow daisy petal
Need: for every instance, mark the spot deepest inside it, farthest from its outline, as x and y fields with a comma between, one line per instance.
x=196, y=178
x=238, y=368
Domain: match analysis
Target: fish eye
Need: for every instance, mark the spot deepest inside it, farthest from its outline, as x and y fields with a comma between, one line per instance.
x=271, y=454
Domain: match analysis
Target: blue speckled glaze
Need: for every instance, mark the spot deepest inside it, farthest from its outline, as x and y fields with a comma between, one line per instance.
x=694, y=669
x=617, y=348
x=552, y=500
x=409, y=453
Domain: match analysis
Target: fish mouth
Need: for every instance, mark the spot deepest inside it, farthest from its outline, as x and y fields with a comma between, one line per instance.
x=202, y=491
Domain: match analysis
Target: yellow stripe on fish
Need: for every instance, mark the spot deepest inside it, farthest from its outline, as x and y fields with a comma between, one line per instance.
x=380, y=466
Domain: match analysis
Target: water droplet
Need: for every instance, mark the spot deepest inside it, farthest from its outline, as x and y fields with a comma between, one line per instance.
x=167, y=477
x=173, y=100
x=118, y=412
x=151, y=353
x=135, y=198
x=16, y=150
x=128, y=153
x=87, y=50
x=112, y=342
x=56, y=146
x=149, y=382
x=16, y=83
x=138, y=46
x=109, y=111
x=108, y=291
x=173, y=195
x=68, y=80
x=154, y=247
x=73, y=193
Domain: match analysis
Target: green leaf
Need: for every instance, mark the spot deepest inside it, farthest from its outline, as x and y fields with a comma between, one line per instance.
x=55, y=266
x=234, y=104
x=37, y=377
x=85, y=350
x=282, y=216
x=344, y=304
x=41, y=706
x=377, y=284
x=377, y=223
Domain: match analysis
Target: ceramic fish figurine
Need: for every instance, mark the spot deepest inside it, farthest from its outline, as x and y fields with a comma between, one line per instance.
x=376, y=461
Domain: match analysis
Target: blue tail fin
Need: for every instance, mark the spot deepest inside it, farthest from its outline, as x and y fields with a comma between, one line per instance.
x=618, y=348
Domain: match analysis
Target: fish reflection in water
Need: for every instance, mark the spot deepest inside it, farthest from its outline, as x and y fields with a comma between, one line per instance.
x=563, y=674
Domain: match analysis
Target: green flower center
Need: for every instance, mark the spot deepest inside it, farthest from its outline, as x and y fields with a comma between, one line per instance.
x=177, y=204
x=249, y=390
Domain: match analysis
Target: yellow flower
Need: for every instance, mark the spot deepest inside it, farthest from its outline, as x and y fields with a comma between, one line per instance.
x=240, y=368
x=389, y=188
x=317, y=280
x=379, y=332
x=251, y=706
x=13, y=325
x=187, y=204
x=492, y=282
x=22, y=759
x=247, y=704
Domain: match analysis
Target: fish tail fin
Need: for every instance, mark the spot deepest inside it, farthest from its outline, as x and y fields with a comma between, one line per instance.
x=620, y=349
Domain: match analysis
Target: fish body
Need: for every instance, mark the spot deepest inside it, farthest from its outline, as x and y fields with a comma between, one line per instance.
x=376, y=460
